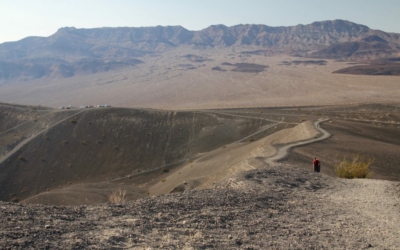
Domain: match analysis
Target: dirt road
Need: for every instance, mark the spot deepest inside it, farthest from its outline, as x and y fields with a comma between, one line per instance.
x=284, y=150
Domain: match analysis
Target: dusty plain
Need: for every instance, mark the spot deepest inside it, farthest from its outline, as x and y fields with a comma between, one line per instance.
x=174, y=80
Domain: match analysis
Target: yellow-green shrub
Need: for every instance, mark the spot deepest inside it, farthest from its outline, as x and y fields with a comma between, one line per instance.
x=117, y=196
x=358, y=167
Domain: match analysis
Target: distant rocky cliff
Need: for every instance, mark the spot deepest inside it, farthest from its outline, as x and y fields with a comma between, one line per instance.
x=72, y=51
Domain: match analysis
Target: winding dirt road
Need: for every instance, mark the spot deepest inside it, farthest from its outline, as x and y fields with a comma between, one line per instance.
x=284, y=150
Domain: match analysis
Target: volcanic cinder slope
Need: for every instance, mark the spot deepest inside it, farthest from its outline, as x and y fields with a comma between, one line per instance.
x=83, y=155
x=271, y=206
x=100, y=145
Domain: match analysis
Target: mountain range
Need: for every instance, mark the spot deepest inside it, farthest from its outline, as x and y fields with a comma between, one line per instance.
x=72, y=51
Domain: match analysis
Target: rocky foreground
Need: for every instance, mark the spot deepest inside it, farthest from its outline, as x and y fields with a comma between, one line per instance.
x=279, y=207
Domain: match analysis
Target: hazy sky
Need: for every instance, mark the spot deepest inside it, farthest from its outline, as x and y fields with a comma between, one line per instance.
x=22, y=18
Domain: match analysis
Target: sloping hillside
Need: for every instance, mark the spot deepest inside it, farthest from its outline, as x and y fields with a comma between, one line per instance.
x=103, y=144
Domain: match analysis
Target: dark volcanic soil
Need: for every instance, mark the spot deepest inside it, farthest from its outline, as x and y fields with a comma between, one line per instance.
x=246, y=67
x=218, y=69
x=278, y=207
x=372, y=131
x=390, y=69
x=310, y=62
x=274, y=207
x=99, y=145
x=71, y=163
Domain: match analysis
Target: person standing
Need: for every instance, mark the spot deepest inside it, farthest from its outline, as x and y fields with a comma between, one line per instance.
x=316, y=165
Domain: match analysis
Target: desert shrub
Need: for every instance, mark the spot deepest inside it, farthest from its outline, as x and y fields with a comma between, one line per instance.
x=21, y=158
x=117, y=196
x=358, y=167
x=165, y=170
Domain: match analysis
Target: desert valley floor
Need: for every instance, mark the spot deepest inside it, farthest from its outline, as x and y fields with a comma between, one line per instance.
x=186, y=79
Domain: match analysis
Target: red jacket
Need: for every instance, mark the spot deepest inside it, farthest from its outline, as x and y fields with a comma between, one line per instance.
x=316, y=163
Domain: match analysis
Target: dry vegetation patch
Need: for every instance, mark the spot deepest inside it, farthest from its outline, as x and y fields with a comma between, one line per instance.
x=358, y=167
x=118, y=196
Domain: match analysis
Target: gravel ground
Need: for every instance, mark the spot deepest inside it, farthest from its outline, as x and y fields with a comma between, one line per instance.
x=278, y=207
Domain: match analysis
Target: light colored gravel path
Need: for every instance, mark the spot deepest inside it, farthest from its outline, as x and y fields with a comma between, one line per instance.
x=368, y=209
